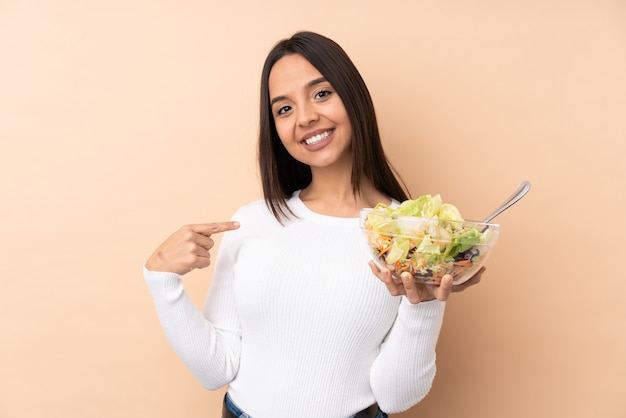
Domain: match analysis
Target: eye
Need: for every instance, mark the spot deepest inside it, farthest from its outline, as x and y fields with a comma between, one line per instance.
x=282, y=110
x=322, y=94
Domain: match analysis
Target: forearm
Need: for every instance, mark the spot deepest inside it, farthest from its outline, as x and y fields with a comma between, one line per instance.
x=210, y=353
x=404, y=370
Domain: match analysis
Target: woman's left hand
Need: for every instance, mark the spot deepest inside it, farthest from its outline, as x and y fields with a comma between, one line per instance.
x=418, y=292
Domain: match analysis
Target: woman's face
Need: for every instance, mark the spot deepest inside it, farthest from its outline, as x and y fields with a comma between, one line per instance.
x=309, y=115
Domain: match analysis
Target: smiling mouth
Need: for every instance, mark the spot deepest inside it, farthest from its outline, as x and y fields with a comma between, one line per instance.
x=317, y=138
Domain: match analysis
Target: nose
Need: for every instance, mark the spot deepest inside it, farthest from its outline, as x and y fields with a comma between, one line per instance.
x=307, y=114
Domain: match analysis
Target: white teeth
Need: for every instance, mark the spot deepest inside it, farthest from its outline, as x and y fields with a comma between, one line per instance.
x=317, y=138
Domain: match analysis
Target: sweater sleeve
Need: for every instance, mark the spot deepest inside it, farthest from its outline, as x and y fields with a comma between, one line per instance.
x=207, y=341
x=405, y=367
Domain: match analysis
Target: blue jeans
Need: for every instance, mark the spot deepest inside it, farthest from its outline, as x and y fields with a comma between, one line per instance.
x=240, y=414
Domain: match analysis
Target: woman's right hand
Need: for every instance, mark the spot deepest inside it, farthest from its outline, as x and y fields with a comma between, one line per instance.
x=417, y=293
x=188, y=248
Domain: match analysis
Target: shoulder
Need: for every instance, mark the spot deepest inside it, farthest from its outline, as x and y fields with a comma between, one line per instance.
x=255, y=221
x=255, y=208
x=259, y=210
x=254, y=217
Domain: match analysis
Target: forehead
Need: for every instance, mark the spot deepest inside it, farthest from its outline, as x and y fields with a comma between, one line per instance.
x=290, y=73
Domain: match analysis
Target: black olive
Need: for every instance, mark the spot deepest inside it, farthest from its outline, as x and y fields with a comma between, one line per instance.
x=467, y=254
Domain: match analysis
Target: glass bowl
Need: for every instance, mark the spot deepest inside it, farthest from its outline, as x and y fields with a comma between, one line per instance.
x=428, y=248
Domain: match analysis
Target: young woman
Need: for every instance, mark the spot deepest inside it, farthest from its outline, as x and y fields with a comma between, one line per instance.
x=298, y=321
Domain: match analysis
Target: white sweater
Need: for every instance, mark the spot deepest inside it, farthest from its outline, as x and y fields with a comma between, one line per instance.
x=296, y=323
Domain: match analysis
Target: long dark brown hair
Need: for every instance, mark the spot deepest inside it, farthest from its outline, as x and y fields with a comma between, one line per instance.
x=281, y=174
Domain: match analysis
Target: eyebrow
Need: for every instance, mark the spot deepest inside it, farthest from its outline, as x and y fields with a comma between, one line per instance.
x=310, y=84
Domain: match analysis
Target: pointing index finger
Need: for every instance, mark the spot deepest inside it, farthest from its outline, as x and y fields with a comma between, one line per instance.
x=214, y=227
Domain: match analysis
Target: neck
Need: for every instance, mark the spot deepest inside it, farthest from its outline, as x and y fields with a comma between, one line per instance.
x=332, y=195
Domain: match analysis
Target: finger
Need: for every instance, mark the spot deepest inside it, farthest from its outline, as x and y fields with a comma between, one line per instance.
x=374, y=268
x=202, y=261
x=410, y=289
x=385, y=276
x=445, y=287
x=190, y=262
x=204, y=242
x=214, y=227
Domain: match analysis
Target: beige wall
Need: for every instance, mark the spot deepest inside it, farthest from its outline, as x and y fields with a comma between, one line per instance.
x=121, y=120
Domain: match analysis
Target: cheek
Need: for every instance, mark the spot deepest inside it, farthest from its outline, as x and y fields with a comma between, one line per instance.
x=341, y=116
x=283, y=133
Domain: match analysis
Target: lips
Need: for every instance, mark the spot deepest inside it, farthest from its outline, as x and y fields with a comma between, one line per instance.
x=317, y=138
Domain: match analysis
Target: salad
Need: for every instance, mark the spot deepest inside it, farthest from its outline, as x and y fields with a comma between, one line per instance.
x=425, y=237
